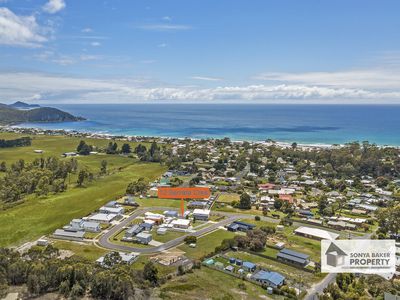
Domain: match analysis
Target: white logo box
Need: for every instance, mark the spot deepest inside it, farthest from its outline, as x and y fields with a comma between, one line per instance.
x=358, y=256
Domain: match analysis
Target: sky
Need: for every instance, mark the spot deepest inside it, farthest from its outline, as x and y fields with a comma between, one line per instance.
x=127, y=51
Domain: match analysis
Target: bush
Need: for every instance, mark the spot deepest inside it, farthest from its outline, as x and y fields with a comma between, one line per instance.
x=257, y=218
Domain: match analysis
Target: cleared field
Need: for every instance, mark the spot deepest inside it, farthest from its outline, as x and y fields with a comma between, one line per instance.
x=207, y=243
x=38, y=216
x=87, y=251
x=210, y=284
x=170, y=235
x=228, y=197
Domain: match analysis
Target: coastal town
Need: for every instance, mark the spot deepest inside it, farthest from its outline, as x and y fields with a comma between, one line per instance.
x=269, y=207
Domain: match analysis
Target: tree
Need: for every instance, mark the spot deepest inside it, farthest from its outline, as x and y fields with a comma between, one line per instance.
x=82, y=175
x=42, y=188
x=137, y=187
x=126, y=148
x=112, y=148
x=278, y=204
x=150, y=273
x=191, y=239
x=83, y=148
x=245, y=202
x=103, y=167
x=3, y=166
x=112, y=259
x=388, y=219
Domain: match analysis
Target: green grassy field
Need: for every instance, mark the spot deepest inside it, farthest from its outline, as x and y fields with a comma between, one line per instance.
x=87, y=251
x=210, y=284
x=170, y=235
x=228, y=197
x=207, y=243
x=39, y=216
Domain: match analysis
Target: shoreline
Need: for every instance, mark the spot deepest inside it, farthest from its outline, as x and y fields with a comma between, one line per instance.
x=101, y=135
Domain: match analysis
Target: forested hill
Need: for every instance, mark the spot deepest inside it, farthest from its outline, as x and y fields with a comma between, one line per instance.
x=10, y=115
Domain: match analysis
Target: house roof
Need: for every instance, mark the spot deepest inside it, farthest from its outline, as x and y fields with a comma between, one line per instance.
x=334, y=249
x=249, y=265
x=319, y=233
x=294, y=253
x=272, y=277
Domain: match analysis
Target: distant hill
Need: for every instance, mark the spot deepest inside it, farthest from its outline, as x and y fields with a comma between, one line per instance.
x=10, y=115
x=23, y=105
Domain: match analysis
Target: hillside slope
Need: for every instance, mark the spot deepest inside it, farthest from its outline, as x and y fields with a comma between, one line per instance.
x=10, y=115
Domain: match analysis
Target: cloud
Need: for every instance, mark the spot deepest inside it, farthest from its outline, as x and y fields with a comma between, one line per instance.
x=14, y=86
x=162, y=45
x=21, y=31
x=206, y=78
x=54, y=6
x=378, y=78
x=95, y=44
x=87, y=30
x=167, y=18
x=164, y=27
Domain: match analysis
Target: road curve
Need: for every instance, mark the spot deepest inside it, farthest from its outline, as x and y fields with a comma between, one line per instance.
x=104, y=240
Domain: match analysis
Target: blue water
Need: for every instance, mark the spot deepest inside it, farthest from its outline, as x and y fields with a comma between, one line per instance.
x=327, y=124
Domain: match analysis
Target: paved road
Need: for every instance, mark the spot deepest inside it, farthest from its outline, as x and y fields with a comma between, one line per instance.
x=105, y=242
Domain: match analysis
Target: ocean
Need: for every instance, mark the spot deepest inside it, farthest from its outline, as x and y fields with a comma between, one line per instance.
x=308, y=124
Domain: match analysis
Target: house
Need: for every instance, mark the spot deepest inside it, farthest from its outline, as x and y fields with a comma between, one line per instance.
x=68, y=235
x=103, y=218
x=340, y=225
x=111, y=210
x=249, y=266
x=147, y=225
x=201, y=214
x=130, y=201
x=181, y=223
x=42, y=242
x=293, y=257
x=112, y=204
x=144, y=238
x=171, y=213
x=272, y=279
x=69, y=154
x=316, y=233
x=197, y=204
x=162, y=230
x=133, y=231
x=286, y=198
x=157, y=218
x=305, y=213
x=91, y=226
x=240, y=226
x=229, y=268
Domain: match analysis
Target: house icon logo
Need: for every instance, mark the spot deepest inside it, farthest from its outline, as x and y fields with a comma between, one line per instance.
x=335, y=256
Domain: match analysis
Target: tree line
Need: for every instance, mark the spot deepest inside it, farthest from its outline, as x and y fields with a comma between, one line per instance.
x=43, y=272
x=19, y=142
x=42, y=176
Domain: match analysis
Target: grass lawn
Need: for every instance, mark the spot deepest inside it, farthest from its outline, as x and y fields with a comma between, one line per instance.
x=87, y=251
x=210, y=284
x=228, y=197
x=207, y=243
x=150, y=202
x=52, y=146
x=39, y=216
x=170, y=235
